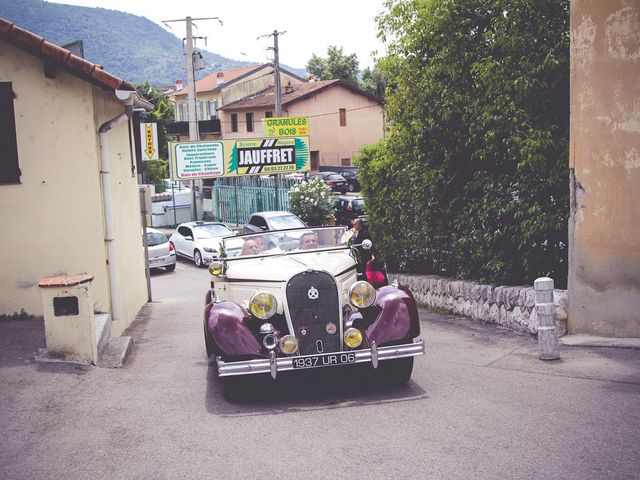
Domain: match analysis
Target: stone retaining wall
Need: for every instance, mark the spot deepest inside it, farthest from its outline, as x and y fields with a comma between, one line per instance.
x=512, y=307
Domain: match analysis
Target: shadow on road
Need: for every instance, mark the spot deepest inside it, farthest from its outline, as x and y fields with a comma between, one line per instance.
x=320, y=389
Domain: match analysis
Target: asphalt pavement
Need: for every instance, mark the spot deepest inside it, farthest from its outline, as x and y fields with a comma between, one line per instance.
x=480, y=404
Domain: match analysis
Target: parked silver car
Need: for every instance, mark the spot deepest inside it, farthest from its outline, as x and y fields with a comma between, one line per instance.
x=199, y=241
x=161, y=252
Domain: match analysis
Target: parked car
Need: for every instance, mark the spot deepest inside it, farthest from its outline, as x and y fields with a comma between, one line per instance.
x=275, y=220
x=348, y=208
x=199, y=241
x=336, y=181
x=352, y=180
x=161, y=252
x=349, y=172
x=272, y=312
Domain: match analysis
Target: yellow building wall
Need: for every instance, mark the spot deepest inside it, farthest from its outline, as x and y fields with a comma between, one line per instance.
x=604, y=243
x=52, y=222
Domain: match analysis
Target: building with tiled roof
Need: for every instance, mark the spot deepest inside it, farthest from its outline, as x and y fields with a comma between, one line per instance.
x=69, y=194
x=222, y=88
x=342, y=118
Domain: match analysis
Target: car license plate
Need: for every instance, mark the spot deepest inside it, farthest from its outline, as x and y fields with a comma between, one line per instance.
x=155, y=261
x=326, y=360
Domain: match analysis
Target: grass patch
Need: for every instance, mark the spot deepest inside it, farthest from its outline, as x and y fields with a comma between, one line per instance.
x=22, y=316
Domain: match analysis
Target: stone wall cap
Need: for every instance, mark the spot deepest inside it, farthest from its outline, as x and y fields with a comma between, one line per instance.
x=64, y=280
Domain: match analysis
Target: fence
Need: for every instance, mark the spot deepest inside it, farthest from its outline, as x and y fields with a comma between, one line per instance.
x=236, y=198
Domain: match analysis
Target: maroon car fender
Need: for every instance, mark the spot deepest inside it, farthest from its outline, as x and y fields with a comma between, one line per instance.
x=227, y=333
x=397, y=318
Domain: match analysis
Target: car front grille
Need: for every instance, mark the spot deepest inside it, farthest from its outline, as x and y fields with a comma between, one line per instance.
x=312, y=298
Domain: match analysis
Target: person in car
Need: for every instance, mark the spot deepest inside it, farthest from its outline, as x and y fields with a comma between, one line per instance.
x=308, y=241
x=249, y=247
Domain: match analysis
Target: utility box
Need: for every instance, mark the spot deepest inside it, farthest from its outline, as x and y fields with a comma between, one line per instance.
x=69, y=322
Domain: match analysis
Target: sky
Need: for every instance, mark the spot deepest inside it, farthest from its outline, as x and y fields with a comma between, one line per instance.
x=311, y=27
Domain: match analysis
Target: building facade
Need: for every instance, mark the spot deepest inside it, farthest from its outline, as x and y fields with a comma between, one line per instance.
x=54, y=208
x=604, y=230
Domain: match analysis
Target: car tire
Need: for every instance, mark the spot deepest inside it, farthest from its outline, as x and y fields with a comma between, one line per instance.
x=395, y=372
x=351, y=187
x=197, y=258
x=170, y=268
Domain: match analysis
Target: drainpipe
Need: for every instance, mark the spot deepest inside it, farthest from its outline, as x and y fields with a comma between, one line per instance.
x=127, y=97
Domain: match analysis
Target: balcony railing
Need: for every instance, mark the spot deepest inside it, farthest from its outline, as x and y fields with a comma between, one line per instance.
x=204, y=126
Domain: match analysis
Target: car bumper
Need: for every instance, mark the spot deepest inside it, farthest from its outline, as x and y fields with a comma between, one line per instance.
x=282, y=364
x=162, y=261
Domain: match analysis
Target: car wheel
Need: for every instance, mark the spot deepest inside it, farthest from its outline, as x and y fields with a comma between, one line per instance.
x=351, y=187
x=197, y=258
x=170, y=268
x=395, y=372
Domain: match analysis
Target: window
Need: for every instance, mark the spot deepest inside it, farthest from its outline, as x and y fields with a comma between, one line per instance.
x=249, y=117
x=9, y=168
x=234, y=122
x=343, y=117
x=203, y=113
x=268, y=114
x=184, y=112
x=315, y=159
x=213, y=108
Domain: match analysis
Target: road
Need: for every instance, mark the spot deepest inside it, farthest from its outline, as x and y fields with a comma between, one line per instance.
x=479, y=405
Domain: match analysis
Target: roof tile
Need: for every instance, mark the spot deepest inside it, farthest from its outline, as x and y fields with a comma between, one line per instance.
x=37, y=45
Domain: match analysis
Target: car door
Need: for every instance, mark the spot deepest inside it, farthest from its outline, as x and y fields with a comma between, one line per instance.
x=185, y=241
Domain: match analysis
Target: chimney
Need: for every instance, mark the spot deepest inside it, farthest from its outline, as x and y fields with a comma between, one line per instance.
x=220, y=78
x=312, y=78
x=178, y=85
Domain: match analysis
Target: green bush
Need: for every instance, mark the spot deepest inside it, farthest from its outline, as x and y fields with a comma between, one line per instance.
x=472, y=178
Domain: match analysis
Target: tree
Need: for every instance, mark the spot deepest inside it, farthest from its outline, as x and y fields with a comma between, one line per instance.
x=374, y=80
x=476, y=159
x=336, y=65
x=162, y=114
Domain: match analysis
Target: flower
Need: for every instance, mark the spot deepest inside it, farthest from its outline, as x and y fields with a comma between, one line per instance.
x=312, y=201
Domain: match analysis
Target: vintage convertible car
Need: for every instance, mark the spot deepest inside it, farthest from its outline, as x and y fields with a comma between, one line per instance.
x=272, y=311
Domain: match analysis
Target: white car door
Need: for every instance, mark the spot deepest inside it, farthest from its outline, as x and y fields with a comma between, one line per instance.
x=184, y=245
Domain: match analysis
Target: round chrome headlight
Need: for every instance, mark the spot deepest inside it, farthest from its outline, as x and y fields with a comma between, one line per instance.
x=288, y=344
x=362, y=294
x=263, y=305
x=353, y=337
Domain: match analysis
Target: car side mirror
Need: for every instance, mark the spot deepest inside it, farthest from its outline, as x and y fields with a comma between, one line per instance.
x=189, y=237
x=263, y=227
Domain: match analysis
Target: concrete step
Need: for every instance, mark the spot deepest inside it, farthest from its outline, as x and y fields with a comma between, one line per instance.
x=115, y=353
x=103, y=330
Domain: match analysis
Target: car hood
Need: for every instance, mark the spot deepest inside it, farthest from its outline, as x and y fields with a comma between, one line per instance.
x=282, y=267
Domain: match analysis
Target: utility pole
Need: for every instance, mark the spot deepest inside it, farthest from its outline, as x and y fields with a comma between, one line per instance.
x=276, y=71
x=194, y=134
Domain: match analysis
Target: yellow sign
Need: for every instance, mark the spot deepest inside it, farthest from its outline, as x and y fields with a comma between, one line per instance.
x=286, y=127
x=149, y=141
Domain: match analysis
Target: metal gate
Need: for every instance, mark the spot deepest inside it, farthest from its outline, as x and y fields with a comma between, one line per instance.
x=236, y=198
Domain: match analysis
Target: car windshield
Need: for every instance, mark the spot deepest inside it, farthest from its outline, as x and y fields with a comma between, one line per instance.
x=300, y=240
x=154, y=239
x=285, y=221
x=212, y=230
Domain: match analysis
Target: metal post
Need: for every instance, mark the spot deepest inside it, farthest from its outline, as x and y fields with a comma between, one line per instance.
x=194, y=135
x=547, y=334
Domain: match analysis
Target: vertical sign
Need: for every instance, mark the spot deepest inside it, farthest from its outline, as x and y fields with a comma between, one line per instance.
x=149, y=140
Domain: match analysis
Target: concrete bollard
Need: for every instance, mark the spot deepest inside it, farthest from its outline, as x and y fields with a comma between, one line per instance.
x=547, y=334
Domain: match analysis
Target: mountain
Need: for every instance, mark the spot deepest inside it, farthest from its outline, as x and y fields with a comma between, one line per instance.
x=131, y=47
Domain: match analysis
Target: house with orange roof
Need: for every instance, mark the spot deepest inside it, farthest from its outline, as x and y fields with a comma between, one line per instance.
x=219, y=89
x=342, y=118
x=69, y=192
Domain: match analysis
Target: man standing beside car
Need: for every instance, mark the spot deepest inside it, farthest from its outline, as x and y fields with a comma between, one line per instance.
x=361, y=234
